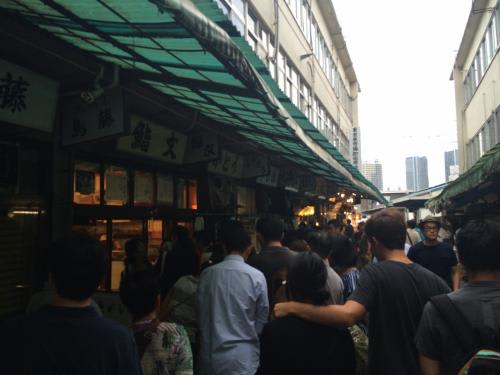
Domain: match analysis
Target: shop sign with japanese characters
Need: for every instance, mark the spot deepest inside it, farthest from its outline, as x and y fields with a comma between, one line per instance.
x=152, y=140
x=202, y=147
x=289, y=179
x=229, y=164
x=27, y=98
x=308, y=183
x=102, y=118
x=321, y=186
x=255, y=166
x=271, y=179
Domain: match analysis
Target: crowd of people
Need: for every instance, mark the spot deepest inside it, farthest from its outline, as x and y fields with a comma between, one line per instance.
x=387, y=297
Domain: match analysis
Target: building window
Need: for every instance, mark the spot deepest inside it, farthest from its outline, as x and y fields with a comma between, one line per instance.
x=239, y=6
x=497, y=127
x=484, y=56
x=281, y=71
x=223, y=6
x=497, y=24
x=305, y=100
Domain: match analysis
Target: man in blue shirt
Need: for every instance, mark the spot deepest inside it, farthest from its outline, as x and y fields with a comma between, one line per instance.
x=233, y=308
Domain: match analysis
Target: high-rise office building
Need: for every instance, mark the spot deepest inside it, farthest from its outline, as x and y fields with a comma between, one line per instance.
x=450, y=165
x=416, y=173
x=373, y=172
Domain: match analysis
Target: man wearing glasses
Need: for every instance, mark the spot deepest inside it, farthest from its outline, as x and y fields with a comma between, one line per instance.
x=434, y=255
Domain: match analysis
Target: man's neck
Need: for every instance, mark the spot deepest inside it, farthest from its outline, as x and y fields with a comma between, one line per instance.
x=244, y=254
x=484, y=276
x=396, y=256
x=65, y=302
x=273, y=244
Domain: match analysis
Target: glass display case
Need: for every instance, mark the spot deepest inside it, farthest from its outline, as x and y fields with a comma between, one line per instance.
x=122, y=230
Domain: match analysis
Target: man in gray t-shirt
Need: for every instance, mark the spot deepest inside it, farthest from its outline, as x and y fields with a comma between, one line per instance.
x=478, y=301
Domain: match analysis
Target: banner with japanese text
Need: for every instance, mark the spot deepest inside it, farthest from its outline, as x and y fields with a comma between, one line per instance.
x=27, y=98
x=229, y=164
x=83, y=122
x=152, y=140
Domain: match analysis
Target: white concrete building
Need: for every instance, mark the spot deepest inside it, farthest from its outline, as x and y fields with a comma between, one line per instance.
x=373, y=172
x=311, y=66
x=477, y=83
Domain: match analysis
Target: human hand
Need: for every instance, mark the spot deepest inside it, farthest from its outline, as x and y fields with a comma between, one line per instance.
x=283, y=309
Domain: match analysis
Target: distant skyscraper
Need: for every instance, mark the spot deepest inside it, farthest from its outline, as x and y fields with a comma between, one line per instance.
x=373, y=172
x=450, y=161
x=416, y=173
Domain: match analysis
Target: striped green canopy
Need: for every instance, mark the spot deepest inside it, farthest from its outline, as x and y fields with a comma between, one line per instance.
x=191, y=52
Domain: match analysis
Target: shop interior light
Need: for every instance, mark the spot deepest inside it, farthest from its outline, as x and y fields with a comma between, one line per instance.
x=13, y=213
x=306, y=211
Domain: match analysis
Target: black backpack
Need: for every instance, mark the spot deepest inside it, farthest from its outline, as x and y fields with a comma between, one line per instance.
x=483, y=351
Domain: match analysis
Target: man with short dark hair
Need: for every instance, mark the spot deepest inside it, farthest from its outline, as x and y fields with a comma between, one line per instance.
x=478, y=302
x=274, y=259
x=334, y=227
x=434, y=255
x=393, y=291
x=233, y=309
x=69, y=337
x=349, y=230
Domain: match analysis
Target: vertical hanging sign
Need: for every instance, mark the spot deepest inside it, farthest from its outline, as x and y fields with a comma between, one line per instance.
x=271, y=179
x=202, y=147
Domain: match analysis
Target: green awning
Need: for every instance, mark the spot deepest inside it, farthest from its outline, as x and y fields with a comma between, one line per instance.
x=174, y=48
x=483, y=172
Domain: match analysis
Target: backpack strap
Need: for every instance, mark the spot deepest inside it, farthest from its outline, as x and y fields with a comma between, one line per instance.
x=458, y=324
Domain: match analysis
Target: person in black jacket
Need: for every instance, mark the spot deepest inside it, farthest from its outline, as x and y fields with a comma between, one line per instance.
x=295, y=346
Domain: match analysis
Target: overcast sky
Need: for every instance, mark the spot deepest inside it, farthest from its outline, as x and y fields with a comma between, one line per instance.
x=403, y=53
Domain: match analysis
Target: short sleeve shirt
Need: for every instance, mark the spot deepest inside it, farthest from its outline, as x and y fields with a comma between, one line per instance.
x=394, y=294
x=479, y=302
x=439, y=258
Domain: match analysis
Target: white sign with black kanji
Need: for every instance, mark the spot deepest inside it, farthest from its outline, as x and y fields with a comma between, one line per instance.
x=152, y=140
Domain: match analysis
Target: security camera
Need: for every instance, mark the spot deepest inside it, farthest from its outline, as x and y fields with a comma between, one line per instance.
x=88, y=97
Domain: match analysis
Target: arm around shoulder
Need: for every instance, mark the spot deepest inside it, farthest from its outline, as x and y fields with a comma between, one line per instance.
x=332, y=315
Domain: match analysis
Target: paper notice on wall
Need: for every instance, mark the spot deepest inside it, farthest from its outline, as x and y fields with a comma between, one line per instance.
x=143, y=188
x=85, y=182
x=116, y=186
x=165, y=190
